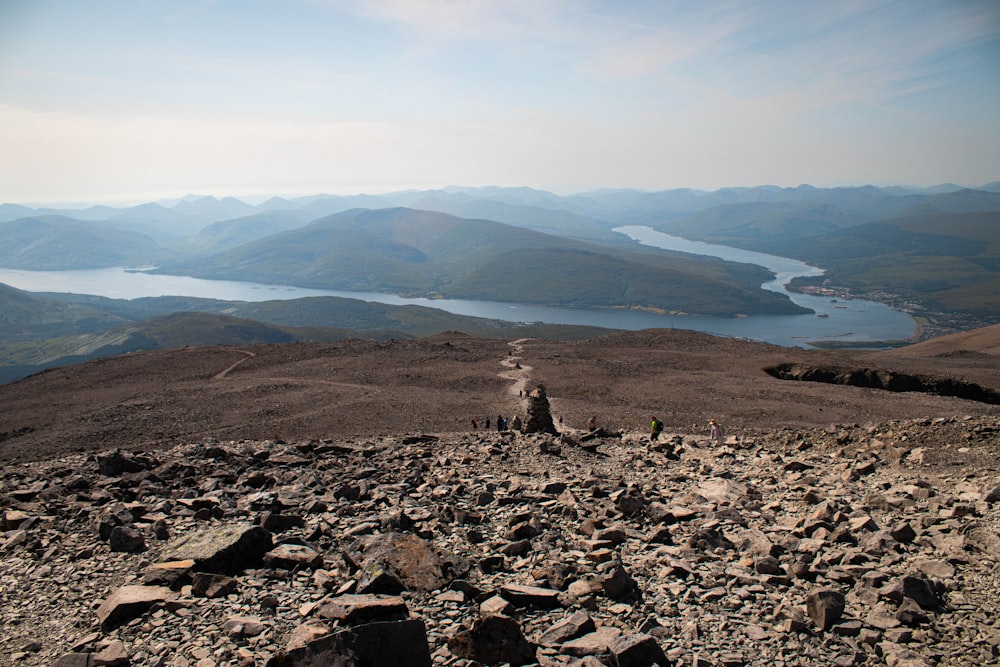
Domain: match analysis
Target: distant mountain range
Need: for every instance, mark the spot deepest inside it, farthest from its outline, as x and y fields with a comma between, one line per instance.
x=426, y=253
x=935, y=251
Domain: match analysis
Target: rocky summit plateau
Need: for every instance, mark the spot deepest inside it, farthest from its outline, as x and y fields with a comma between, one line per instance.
x=333, y=504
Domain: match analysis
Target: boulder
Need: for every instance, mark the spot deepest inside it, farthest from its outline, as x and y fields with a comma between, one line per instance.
x=226, y=549
x=493, y=640
x=393, y=562
x=825, y=608
x=399, y=643
x=637, y=650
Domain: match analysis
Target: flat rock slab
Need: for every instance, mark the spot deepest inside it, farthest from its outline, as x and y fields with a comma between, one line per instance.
x=290, y=556
x=363, y=608
x=222, y=549
x=593, y=643
x=575, y=625
x=530, y=596
x=722, y=491
x=128, y=602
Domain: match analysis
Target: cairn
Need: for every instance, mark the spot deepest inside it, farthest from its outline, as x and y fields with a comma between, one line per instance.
x=539, y=417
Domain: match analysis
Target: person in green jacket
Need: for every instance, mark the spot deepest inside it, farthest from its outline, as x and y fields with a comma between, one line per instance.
x=657, y=428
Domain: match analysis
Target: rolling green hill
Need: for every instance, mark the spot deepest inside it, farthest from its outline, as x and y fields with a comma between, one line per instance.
x=226, y=234
x=169, y=331
x=946, y=261
x=56, y=243
x=26, y=316
x=424, y=253
x=44, y=331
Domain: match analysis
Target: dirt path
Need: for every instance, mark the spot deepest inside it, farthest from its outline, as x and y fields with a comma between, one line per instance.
x=516, y=372
x=222, y=374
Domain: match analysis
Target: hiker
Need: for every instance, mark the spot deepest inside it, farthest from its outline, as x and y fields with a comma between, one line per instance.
x=657, y=428
x=501, y=424
x=486, y=427
x=475, y=424
x=592, y=423
x=715, y=431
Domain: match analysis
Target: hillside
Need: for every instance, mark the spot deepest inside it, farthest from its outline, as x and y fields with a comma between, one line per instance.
x=423, y=253
x=947, y=262
x=437, y=384
x=46, y=331
x=302, y=504
x=60, y=243
x=26, y=316
x=176, y=330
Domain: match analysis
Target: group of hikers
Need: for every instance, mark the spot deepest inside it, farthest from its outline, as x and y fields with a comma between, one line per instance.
x=502, y=423
x=715, y=434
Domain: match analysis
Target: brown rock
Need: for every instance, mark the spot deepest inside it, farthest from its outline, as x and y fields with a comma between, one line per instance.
x=992, y=495
x=113, y=654
x=402, y=643
x=825, y=608
x=291, y=556
x=307, y=633
x=394, y=562
x=530, y=596
x=638, y=650
x=353, y=609
x=208, y=585
x=493, y=640
x=127, y=539
x=615, y=581
x=593, y=643
x=171, y=574
x=571, y=627
x=240, y=627
x=127, y=602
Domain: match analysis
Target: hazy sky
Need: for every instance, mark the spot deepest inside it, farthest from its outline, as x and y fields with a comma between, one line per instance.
x=128, y=100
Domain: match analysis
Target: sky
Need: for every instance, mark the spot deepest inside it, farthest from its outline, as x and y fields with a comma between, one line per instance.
x=133, y=100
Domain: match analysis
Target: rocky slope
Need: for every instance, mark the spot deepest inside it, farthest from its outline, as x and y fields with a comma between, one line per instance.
x=790, y=543
x=814, y=547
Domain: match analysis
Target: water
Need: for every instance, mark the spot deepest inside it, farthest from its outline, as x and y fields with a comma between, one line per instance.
x=855, y=321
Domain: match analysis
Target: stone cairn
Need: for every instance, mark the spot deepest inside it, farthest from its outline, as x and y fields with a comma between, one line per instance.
x=539, y=417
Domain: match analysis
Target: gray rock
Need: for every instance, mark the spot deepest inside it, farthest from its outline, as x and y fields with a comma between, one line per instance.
x=127, y=539
x=224, y=549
